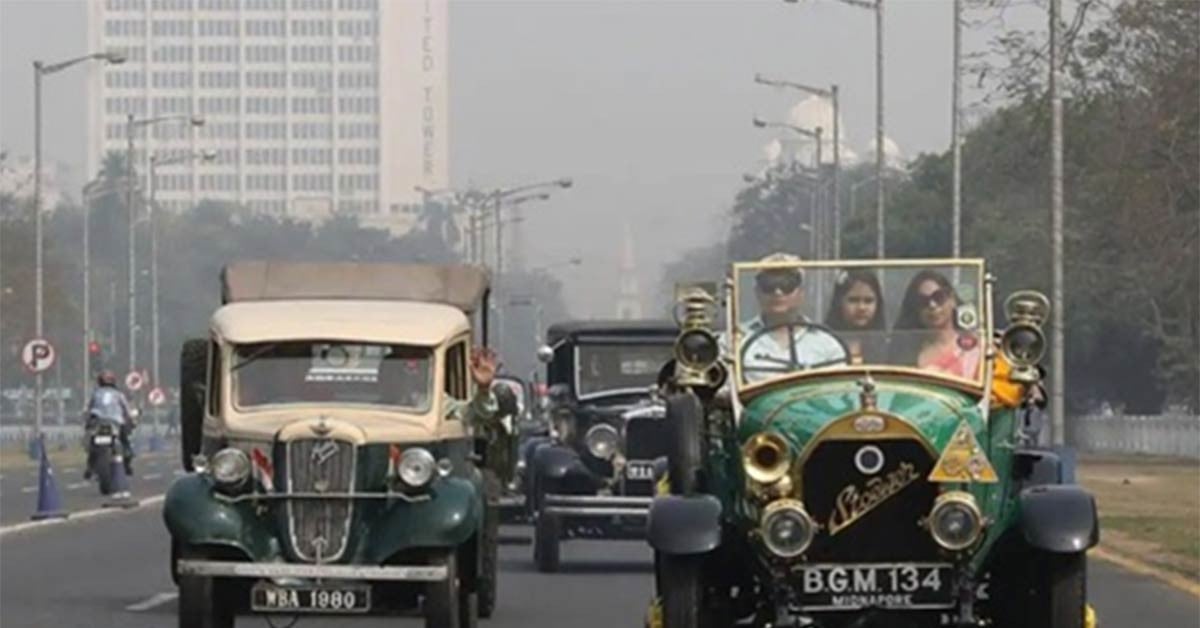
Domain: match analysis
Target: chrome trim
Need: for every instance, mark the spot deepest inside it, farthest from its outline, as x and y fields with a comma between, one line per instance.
x=233, y=569
x=598, y=511
x=291, y=505
x=254, y=497
x=596, y=506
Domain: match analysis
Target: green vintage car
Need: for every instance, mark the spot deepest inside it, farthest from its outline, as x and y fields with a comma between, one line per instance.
x=863, y=453
x=327, y=422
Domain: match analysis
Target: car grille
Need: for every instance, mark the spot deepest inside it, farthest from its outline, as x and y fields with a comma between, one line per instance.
x=879, y=516
x=319, y=527
x=645, y=438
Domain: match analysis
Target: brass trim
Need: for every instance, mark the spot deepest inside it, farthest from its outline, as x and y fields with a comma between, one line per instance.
x=940, y=397
x=962, y=498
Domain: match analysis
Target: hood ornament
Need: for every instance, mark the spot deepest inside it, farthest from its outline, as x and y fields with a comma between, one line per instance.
x=321, y=428
x=866, y=395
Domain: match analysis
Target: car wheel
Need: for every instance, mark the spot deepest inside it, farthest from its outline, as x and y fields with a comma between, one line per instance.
x=1059, y=591
x=193, y=364
x=445, y=601
x=201, y=604
x=489, y=540
x=684, y=458
x=546, y=533
x=682, y=590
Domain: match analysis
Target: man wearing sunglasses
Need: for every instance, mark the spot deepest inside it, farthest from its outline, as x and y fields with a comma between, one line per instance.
x=781, y=339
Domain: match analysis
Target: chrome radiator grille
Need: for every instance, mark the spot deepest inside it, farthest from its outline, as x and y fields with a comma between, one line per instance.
x=319, y=527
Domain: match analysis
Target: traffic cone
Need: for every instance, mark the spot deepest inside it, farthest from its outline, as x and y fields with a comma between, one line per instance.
x=49, y=504
x=120, y=496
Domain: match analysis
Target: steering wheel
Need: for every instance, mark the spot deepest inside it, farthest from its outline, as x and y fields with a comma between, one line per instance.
x=792, y=363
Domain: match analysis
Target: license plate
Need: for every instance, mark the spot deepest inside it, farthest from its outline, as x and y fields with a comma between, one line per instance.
x=639, y=470
x=102, y=440
x=854, y=587
x=315, y=599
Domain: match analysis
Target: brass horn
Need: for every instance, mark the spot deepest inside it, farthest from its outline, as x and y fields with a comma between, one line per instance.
x=766, y=458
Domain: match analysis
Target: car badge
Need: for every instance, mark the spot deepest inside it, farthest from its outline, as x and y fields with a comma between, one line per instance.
x=322, y=452
x=321, y=427
x=964, y=460
x=853, y=502
x=869, y=424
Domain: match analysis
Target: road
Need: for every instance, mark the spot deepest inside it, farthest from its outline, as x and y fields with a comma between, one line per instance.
x=112, y=571
x=18, y=486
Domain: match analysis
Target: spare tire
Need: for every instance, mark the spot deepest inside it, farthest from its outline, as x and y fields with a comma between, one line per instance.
x=685, y=444
x=193, y=367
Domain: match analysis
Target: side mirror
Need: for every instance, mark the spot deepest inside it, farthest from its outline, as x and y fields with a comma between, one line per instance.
x=545, y=354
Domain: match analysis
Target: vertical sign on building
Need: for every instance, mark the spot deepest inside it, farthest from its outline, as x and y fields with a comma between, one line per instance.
x=413, y=83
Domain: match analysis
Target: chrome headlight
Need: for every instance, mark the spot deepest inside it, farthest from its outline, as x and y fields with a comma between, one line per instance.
x=417, y=467
x=787, y=529
x=955, y=520
x=602, y=441
x=230, y=467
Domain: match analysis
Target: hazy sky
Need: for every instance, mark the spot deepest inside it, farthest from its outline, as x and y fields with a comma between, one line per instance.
x=646, y=104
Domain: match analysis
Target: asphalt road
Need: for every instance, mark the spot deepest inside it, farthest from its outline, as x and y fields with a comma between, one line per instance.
x=111, y=570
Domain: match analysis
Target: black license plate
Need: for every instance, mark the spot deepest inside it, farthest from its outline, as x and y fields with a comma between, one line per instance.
x=639, y=470
x=269, y=598
x=914, y=586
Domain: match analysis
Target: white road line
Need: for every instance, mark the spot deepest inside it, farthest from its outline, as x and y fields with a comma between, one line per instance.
x=179, y=473
x=151, y=476
x=84, y=515
x=28, y=489
x=158, y=599
x=71, y=470
x=78, y=485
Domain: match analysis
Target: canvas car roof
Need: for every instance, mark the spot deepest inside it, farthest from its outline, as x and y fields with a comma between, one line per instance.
x=457, y=285
x=391, y=322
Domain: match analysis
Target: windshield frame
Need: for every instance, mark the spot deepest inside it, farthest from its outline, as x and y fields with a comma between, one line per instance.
x=233, y=385
x=576, y=351
x=984, y=306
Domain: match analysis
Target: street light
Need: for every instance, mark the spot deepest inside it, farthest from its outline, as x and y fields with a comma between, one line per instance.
x=814, y=215
x=877, y=7
x=41, y=69
x=131, y=125
x=831, y=95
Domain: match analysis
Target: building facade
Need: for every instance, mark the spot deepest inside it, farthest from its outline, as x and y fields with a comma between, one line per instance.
x=311, y=106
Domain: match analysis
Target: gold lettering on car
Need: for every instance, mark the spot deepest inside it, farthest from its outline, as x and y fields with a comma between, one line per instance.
x=854, y=502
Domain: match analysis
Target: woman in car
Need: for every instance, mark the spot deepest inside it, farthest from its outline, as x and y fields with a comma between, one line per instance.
x=856, y=315
x=926, y=334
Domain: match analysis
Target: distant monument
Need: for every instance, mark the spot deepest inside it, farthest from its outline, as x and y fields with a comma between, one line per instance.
x=629, y=298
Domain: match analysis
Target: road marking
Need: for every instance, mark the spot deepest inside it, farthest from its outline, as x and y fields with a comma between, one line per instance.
x=78, y=485
x=179, y=473
x=28, y=489
x=71, y=470
x=151, y=476
x=158, y=599
x=1145, y=569
x=84, y=515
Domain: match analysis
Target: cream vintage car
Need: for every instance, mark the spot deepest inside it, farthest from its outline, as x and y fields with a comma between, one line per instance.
x=327, y=422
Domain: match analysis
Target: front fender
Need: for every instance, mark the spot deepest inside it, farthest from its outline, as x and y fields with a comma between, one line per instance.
x=195, y=516
x=554, y=461
x=449, y=518
x=1059, y=519
x=684, y=525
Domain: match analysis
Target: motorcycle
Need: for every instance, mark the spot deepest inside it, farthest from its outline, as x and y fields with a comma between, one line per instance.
x=104, y=449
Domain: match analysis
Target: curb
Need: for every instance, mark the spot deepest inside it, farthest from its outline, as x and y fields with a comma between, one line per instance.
x=1141, y=568
x=84, y=515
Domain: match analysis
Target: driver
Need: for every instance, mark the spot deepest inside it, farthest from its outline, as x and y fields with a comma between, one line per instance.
x=781, y=339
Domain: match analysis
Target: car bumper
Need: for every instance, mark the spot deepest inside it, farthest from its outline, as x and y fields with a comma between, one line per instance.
x=234, y=569
x=596, y=506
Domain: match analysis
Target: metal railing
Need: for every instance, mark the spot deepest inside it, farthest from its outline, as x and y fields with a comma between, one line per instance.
x=1175, y=435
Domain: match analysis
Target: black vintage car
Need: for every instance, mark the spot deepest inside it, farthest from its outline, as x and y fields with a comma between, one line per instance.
x=593, y=476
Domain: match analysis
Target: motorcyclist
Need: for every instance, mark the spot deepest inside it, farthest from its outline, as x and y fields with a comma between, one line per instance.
x=109, y=404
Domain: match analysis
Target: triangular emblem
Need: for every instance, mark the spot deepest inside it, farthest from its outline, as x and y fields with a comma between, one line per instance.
x=963, y=460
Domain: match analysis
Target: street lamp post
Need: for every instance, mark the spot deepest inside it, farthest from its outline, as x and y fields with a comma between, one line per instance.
x=41, y=69
x=814, y=134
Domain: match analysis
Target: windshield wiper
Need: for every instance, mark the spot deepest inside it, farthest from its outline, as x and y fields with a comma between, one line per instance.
x=253, y=357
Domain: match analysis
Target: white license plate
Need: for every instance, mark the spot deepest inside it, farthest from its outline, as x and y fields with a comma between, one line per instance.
x=891, y=585
x=639, y=470
x=269, y=598
x=102, y=440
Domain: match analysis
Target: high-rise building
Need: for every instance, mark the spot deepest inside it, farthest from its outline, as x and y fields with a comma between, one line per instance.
x=312, y=106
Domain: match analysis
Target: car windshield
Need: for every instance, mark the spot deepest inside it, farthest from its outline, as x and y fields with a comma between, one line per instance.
x=333, y=372
x=606, y=368
x=825, y=316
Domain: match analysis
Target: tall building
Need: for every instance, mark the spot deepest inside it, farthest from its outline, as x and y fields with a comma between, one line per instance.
x=312, y=106
x=629, y=293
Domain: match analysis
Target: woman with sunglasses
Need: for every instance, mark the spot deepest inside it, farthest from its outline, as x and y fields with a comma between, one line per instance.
x=926, y=334
x=856, y=313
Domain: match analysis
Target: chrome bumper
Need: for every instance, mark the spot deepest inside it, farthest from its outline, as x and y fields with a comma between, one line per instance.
x=511, y=501
x=232, y=569
x=596, y=506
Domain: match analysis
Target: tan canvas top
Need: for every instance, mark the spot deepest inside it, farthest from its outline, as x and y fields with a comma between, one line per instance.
x=460, y=286
x=392, y=322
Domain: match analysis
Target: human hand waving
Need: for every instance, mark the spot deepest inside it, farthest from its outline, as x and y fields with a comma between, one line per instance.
x=483, y=367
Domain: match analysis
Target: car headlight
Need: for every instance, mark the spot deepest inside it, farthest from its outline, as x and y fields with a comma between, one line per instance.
x=955, y=520
x=787, y=529
x=417, y=467
x=602, y=441
x=230, y=467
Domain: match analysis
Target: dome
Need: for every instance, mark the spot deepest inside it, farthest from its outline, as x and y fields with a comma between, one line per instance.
x=892, y=157
x=772, y=151
x=813, y=112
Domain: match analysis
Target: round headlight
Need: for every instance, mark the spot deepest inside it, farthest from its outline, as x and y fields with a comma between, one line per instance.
x=697, y=348
x=230, y=467
x=417, y=467
x=955, y=521
x=1023, y=344
x=787, y=529
x=602, y=441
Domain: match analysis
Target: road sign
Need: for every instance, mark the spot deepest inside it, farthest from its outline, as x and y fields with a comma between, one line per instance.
x=38, y=355
x=157, y=397
x=134, y=381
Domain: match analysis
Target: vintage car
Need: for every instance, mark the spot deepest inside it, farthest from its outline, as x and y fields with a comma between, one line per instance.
x=880, y=468
x=334, y=469
x=593, y=476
